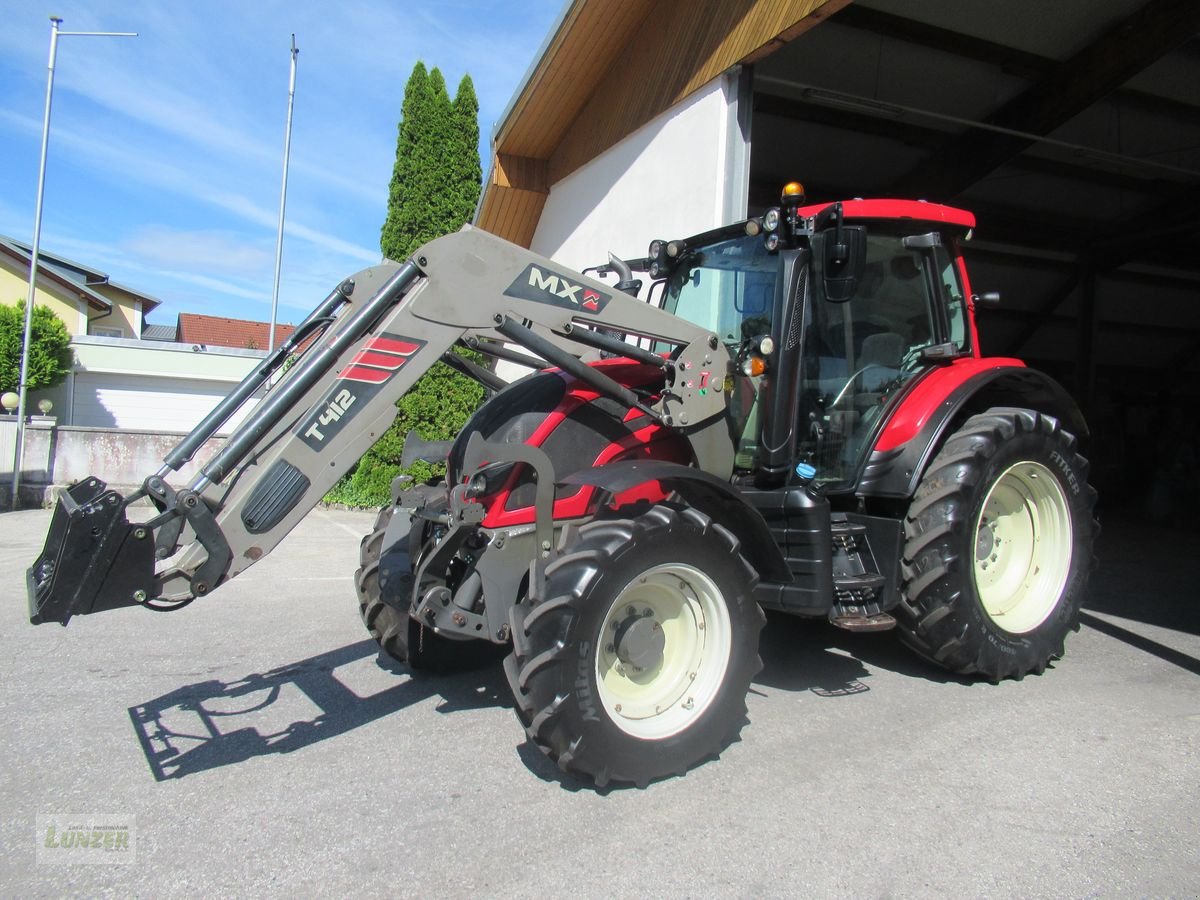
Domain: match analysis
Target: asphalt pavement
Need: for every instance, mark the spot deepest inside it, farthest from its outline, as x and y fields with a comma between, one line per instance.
x=254, y=744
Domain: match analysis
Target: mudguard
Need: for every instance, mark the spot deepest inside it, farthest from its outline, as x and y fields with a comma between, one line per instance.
x=918, y=427
x=716, y=498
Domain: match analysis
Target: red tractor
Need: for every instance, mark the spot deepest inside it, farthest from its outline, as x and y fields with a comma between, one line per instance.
x=800, y=420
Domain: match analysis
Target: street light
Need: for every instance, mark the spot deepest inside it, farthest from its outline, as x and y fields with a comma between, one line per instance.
x=31, y=299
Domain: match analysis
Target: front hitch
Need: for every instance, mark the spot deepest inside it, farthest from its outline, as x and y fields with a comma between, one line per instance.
x=94, y=559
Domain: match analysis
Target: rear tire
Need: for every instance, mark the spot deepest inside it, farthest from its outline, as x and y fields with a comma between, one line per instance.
x=637, y=662
x=399, y=635
x=998, y=547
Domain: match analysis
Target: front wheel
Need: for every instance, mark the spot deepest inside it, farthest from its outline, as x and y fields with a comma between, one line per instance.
x=636, y=663
x=998, y=547
x=397, y=634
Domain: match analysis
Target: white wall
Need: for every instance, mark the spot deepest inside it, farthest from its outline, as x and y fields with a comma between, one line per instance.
x=667, y=180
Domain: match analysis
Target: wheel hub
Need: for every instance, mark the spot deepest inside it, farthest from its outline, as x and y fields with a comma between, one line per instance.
x=985, y=540
x=640, y=641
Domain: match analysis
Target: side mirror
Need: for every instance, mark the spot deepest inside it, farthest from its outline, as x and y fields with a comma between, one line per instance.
x=843, y=255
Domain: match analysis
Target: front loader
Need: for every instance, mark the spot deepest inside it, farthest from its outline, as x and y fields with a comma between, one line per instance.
x=801, y=421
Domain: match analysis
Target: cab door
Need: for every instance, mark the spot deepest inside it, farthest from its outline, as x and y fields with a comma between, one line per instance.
x=858, y=354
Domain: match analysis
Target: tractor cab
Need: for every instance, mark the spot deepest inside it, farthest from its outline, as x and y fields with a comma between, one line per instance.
x=831, y=313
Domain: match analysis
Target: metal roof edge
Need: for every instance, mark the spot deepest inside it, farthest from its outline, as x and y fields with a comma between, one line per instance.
x=498, y=127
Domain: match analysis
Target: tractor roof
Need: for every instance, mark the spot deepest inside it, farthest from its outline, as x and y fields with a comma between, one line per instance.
x=917, y=210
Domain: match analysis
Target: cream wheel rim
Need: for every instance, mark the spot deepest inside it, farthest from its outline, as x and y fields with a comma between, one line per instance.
x=663, y=651
x=1022, y=547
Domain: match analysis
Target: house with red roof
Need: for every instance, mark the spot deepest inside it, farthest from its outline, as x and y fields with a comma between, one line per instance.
x=219, y=331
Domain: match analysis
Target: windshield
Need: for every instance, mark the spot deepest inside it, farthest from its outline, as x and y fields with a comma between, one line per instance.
x=727, y=287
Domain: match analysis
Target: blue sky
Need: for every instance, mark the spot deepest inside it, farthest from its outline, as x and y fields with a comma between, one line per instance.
x=166, y=149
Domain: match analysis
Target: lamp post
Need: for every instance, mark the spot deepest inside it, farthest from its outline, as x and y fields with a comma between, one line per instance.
x=31, y=299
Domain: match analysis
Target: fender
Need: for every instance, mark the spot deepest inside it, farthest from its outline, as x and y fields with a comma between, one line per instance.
x=716, y=498
x=919, y=425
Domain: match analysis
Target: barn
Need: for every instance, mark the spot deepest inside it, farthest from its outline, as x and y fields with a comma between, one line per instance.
x=1070, y=129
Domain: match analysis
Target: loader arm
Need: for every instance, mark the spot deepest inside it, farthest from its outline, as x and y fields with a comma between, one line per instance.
x=383, y=329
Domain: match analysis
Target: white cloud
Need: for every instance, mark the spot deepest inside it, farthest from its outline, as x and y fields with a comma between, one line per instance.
x=209, y=251
x=153, y=171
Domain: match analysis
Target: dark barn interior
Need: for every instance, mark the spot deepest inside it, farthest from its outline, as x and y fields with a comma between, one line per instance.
x=1072, y=131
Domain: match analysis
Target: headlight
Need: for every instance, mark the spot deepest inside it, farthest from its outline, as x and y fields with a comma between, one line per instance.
x=771, y=219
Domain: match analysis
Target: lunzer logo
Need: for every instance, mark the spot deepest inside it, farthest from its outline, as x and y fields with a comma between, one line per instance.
x=544, y=286
x=380, y=358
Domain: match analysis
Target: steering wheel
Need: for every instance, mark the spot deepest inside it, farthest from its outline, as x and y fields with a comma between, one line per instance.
x=841, y=395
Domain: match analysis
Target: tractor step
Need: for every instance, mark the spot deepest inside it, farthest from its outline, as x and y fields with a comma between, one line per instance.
x=859, y=622
x=854, y=584
x=844, y=526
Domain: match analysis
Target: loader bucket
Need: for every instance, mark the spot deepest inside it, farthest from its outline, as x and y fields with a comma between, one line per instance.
x=94, y=558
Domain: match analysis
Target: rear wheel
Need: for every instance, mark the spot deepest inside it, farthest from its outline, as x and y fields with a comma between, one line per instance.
x=398, y=635
x=637, y=662
x=998, y=547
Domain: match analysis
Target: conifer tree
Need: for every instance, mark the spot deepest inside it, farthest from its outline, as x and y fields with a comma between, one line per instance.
x=435, y=185
x=50, y=355
x=467, y=176
x=399, y=236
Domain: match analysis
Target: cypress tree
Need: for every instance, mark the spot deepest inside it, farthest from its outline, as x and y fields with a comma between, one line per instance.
x=435, y=185
x=398, y=237
x=465, y=158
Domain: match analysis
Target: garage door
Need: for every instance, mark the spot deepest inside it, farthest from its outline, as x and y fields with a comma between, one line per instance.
x=146, y=403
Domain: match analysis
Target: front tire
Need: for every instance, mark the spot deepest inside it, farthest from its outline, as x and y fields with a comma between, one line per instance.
x=998, y=547
x=399, y=635
x=637, y=661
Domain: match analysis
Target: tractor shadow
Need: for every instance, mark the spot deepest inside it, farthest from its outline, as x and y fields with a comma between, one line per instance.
x=809, y=655
x=211, y=724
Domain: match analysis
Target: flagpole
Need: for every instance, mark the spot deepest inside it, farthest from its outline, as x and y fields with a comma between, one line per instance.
x=287, y=149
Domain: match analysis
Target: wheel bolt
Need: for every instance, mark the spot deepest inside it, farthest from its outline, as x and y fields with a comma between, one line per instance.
x=629, y=610
x=617, y=707
x=689, y=703
x=611, y=648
